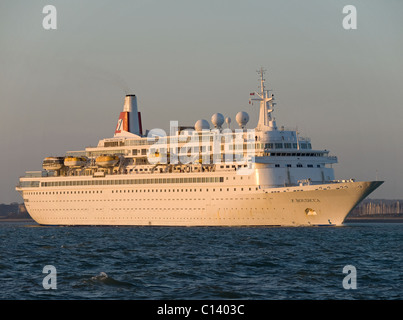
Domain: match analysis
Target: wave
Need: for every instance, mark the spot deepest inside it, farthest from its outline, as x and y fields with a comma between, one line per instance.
x=103, y=278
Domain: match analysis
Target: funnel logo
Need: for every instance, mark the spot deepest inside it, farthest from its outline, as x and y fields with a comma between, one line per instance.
x=123, y=122
x=118, y=128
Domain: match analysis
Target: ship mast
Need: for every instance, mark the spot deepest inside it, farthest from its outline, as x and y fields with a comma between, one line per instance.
x=266, y=122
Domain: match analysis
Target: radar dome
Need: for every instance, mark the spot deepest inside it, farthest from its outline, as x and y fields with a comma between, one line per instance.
x=242, y=118
x=228, y=121
x=202, y=125
x=217, y=120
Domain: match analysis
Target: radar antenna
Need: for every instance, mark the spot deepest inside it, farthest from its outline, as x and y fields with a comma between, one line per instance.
x=266, y=104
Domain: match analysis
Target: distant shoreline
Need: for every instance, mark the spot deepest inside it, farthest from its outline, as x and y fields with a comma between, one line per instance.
x=375, y=219
x=16, y=220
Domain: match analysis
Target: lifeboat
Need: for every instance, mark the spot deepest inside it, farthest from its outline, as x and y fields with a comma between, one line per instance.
x=75, y=161
x=106, y=161
x=53, y=163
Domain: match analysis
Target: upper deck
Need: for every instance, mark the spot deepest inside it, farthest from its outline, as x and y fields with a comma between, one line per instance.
x=198, y=148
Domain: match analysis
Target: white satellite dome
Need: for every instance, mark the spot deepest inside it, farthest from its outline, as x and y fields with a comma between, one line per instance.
x=202, y=125
x=228, y=121
x=217, y=120
x=242, y=118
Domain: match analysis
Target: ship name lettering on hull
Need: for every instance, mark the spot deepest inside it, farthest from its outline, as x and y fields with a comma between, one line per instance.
x=305, y=200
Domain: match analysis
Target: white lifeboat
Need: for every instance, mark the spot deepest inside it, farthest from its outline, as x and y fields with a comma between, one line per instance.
x=107, y=161
x=75, y=161
x=53, y=163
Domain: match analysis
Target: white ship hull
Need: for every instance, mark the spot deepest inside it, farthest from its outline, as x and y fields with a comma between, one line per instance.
x=311, y=205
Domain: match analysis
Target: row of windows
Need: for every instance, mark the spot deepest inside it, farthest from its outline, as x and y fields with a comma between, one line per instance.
x=139, y=190
x=136, y=142
x=137, y=151
x=294, y=154
x=180, y=190
x=132, y=181
x=154, y=218
x=299, y=165
x=286, y=145
x=243, y=146
x=64, y=192
x=92, y=154
x=143, y=152
x=198, y=148
x=222, y=167
x=29, y=184
x=278, y=145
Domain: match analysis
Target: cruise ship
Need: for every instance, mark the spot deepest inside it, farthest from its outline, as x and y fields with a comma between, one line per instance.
x=198, y=175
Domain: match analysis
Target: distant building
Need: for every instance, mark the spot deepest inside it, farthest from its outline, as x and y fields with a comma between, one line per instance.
x=13, y=211
x=378, y=207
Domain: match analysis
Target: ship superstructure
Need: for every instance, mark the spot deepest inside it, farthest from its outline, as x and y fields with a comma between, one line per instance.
x=194, y=176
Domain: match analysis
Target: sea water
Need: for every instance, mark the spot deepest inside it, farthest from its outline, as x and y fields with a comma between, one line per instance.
x=258, y=263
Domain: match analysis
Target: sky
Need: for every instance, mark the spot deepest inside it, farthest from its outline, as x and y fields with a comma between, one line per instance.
x=63, y=89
